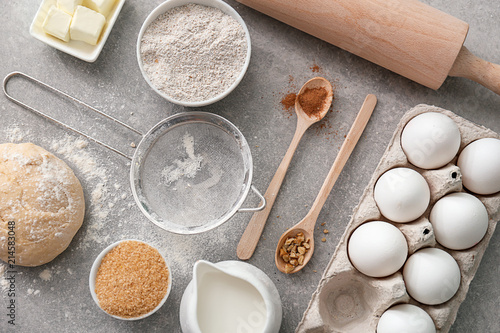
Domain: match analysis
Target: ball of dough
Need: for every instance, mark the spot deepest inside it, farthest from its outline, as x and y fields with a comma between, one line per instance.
x=41, y=204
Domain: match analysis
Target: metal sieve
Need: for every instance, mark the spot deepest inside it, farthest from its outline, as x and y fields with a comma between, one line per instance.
x=190, y=173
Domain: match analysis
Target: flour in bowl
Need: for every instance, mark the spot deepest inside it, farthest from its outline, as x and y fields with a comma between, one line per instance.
x=193, y=52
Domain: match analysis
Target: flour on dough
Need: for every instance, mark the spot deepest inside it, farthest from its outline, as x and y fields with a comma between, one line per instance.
x=41, y=204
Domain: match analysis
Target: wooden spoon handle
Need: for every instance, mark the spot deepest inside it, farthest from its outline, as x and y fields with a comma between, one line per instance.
x=476, y=69
x=253, y=231
x=350, y=142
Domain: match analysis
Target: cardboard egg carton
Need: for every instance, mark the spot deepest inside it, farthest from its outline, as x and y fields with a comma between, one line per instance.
x=347, y=300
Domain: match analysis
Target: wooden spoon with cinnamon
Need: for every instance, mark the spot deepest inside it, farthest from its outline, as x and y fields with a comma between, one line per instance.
x=311, y=105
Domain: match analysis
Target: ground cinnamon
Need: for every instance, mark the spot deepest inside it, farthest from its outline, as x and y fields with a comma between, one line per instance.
x=313, y=100
x=315, y=68
x=288, y=102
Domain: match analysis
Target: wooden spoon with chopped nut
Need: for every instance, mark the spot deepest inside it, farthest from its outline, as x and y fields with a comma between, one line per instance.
x=296, y=245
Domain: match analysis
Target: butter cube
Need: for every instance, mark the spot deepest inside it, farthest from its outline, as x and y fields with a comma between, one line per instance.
x=68, y=6
x=100, y=6
x=86, y=25
x=57, y=23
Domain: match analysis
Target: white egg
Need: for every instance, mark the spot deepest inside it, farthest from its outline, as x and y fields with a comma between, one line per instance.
x=460, y=221
x=402, y=195
x=431, y=276
x=430, y=140
x=377, y=249
x=405, y=318
x=479, y=163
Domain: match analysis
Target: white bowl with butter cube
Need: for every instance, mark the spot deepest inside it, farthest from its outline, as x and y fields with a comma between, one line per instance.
x=77, y=27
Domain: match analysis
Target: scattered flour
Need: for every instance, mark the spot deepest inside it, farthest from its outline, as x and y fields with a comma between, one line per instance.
x=14, y=134
x=187, y=167
x=75, y=152
x=4, y=284
x=45, y=275
x=32, y=291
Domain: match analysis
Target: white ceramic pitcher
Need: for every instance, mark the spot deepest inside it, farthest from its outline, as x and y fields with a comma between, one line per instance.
x=230, y=297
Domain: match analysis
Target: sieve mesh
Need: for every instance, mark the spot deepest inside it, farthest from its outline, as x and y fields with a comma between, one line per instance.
x=194, y=175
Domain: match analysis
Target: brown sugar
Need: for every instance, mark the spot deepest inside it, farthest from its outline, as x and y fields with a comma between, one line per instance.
x=312, y=101
x=132, y=280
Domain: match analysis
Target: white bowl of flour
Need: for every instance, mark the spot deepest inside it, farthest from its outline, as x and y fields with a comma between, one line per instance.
x=193, y=52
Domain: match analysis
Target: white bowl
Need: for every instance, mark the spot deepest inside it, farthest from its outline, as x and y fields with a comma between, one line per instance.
x=95, y=268
x=169, y=4
x=75, y=48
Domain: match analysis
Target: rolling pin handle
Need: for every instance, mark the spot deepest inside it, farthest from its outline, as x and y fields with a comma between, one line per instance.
x=476, y=69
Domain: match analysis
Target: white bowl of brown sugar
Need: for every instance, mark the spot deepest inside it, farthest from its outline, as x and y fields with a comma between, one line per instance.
x=130, y=280
x=193, y=52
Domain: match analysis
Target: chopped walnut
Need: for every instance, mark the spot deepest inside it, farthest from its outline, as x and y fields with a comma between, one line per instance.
x=289, y=268
x=293, y=251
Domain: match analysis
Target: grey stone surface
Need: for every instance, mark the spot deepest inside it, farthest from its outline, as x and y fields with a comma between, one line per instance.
x=282, y=60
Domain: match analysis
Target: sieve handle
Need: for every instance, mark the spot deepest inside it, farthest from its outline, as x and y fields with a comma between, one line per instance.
x=46, y=116
x=256, y=209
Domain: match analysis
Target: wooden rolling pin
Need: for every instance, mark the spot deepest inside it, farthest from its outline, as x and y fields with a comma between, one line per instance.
x=405, y=36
